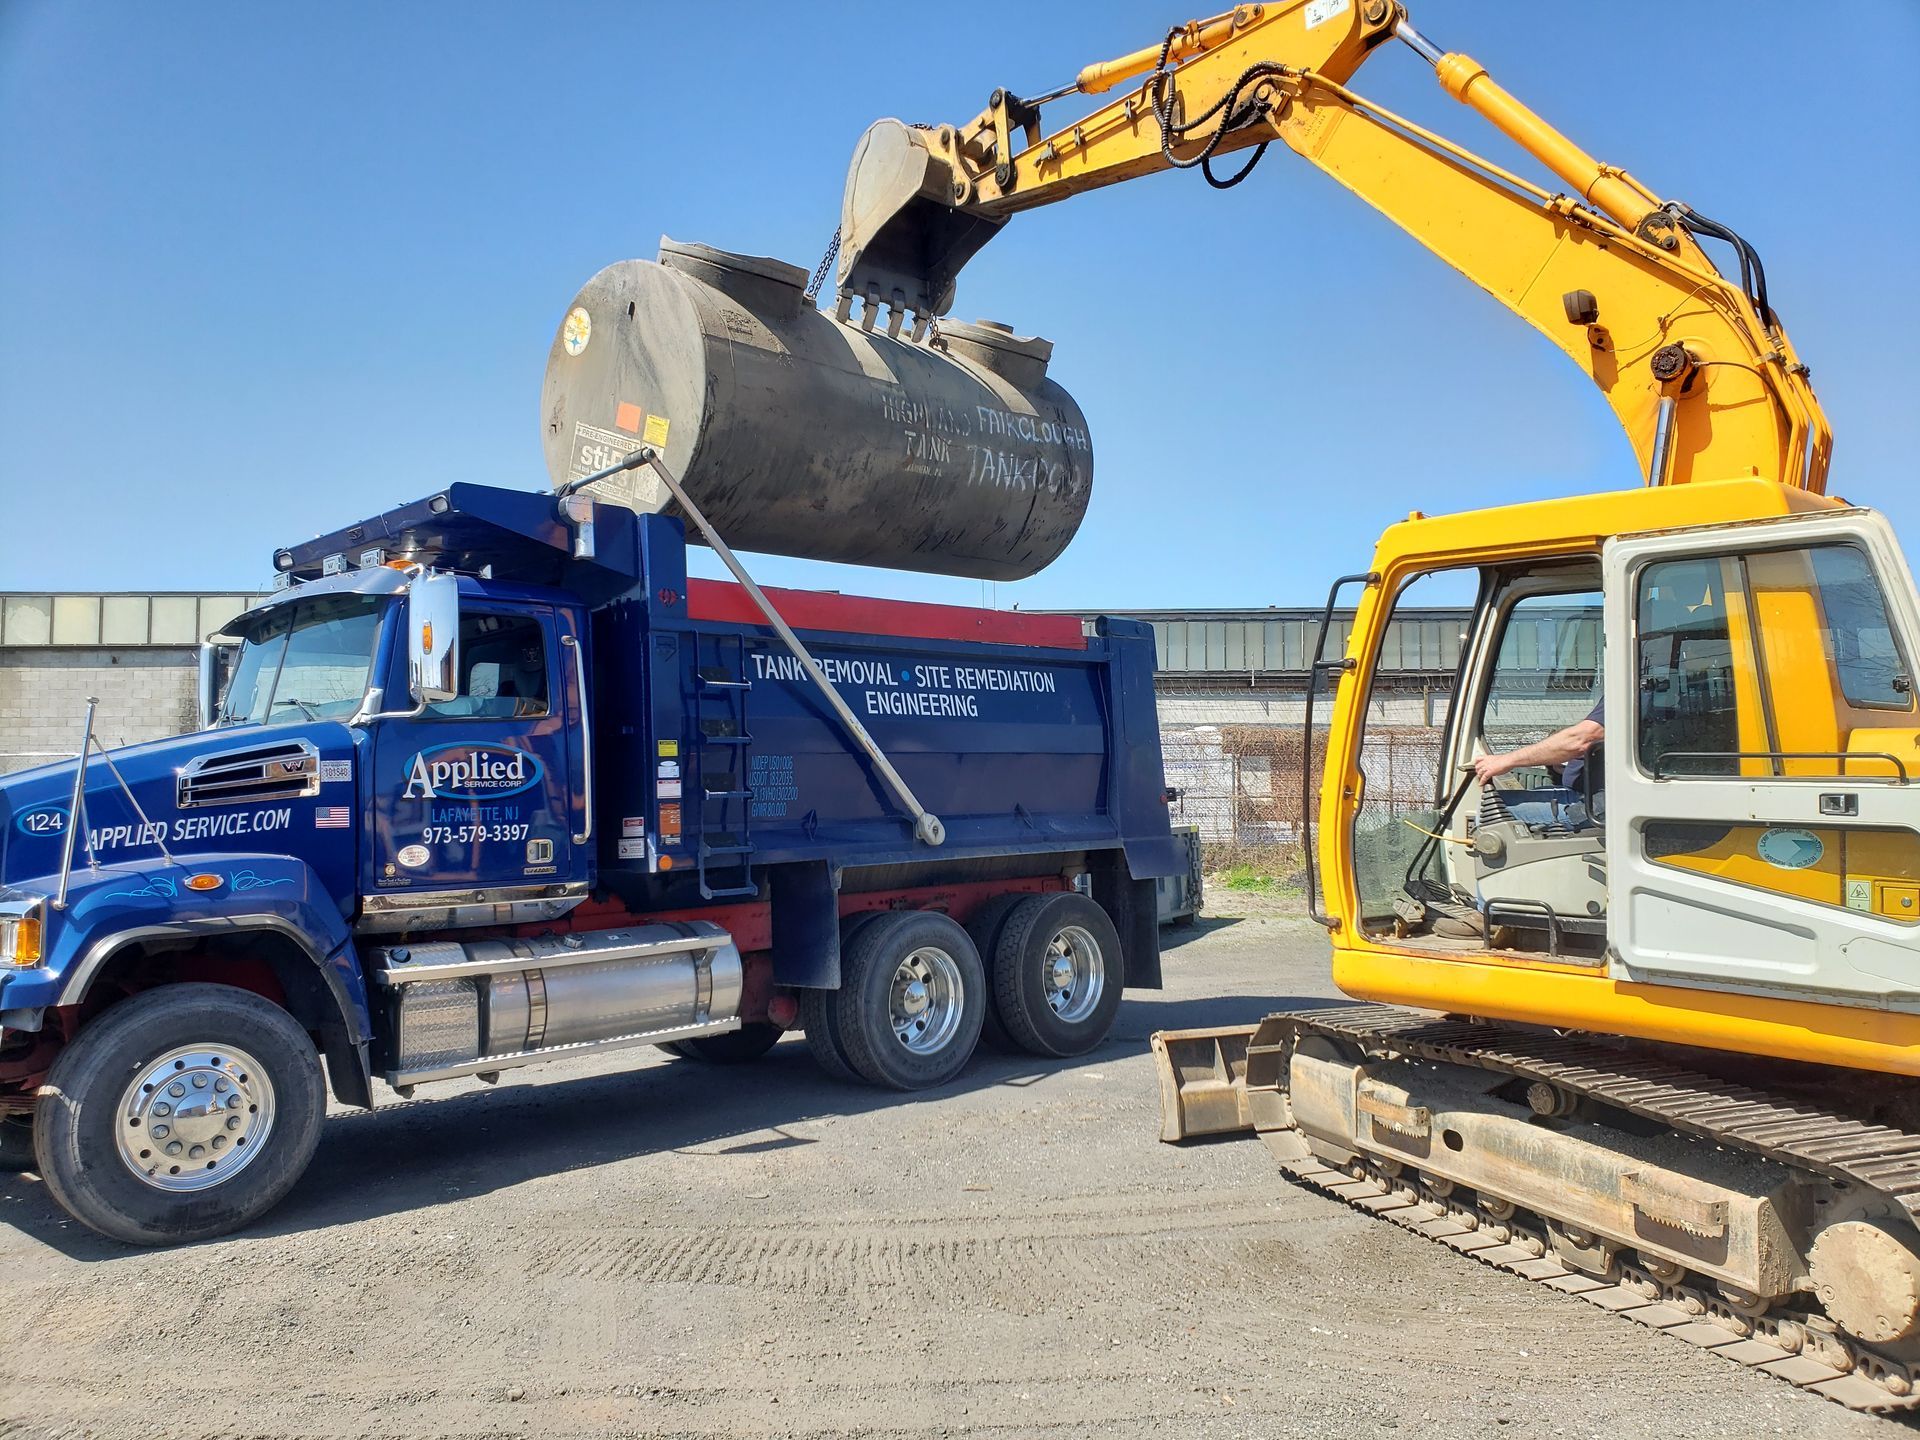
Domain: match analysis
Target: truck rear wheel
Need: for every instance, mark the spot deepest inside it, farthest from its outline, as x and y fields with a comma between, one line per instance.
x=816, y=1011
x=1057, y=974
x=16, y=1144
x=983, y=928
x=911, y=1001
x=180, y=1114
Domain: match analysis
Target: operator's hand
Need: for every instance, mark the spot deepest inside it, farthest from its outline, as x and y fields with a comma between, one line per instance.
x=1485, y=767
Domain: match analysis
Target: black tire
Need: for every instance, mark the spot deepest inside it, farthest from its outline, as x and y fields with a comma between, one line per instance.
x=736, y=1047
x=956, y=1000
x=983, y=928
x=816, y=1012
x=16, y=1144
x=76, y=1126
x=1021, y=962
x=816, y=1018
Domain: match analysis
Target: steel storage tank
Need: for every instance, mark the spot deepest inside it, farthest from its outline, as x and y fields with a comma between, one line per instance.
x=801, y=434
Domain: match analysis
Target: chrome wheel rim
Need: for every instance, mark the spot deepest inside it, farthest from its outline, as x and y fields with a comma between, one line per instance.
x=1074, y=974
x=195, y=1117
x=926, y=1000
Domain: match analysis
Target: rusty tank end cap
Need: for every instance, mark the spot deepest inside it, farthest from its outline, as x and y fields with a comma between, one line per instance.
x=700, y=261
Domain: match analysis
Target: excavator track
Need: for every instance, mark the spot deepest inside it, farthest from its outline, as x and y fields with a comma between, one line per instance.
x=1876, y=1156
x=1800, y=1346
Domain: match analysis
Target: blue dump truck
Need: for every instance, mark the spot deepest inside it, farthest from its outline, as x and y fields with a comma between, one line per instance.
x=494, y=782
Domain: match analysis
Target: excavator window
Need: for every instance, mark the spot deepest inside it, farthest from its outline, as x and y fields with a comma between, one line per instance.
x=1546, y=675
x=1778, y=664
x=1401, y=776
x=1767, y=663
x=1692, y=669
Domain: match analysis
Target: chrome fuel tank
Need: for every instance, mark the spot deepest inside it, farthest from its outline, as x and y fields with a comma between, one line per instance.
x=801, y=434
x=464, y=1008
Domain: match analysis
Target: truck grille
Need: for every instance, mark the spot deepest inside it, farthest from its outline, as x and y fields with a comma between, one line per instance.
x=284, y=770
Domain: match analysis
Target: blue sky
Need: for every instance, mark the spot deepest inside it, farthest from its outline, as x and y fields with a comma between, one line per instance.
x=266, y=269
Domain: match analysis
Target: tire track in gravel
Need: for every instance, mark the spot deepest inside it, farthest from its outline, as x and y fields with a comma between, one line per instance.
x=851, y=1261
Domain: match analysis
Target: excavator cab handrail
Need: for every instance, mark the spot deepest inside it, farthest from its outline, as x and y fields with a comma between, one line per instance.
x=1320, y=663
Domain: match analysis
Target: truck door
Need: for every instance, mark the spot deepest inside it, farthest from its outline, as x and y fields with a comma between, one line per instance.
x=486, y=791
x=1762, y=803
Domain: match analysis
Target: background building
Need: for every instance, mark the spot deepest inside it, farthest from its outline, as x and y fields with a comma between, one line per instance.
x=138, y=654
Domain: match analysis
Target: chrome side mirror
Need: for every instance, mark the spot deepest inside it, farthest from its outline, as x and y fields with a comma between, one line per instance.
x=433, y=638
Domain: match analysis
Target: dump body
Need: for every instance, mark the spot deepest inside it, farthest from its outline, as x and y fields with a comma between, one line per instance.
x=956, y=455
x=1024, y=734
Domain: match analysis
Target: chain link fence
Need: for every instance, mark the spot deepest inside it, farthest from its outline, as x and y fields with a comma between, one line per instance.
x=1241, y=784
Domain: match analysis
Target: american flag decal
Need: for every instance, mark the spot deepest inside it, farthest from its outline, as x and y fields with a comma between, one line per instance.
x=330, y=817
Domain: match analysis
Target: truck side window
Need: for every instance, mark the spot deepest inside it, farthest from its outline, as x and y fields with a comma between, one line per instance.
x=503, y=669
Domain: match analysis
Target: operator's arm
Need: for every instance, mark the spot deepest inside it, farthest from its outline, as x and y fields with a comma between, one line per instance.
x=1557, y=749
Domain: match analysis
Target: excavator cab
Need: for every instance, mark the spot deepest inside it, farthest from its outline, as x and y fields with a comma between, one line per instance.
x=1751, y=825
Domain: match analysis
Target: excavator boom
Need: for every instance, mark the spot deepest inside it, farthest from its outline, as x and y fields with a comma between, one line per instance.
x=1695, y=365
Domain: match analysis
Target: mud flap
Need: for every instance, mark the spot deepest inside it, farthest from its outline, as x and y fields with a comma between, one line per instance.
x=806, y=925
x=1134, y=907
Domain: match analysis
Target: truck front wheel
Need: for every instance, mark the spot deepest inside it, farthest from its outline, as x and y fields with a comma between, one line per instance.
x=16, y=1144
x=181, y=1114
x=733, y=1047
x=911, y=1000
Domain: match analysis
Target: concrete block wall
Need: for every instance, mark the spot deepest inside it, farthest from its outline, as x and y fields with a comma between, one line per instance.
x=144, y=694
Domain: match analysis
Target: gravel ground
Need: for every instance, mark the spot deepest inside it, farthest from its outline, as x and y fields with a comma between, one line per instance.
x=659, y=1248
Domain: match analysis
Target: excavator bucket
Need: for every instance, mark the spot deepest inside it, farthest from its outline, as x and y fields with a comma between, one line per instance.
x=1203, y=1081
x=902, y=241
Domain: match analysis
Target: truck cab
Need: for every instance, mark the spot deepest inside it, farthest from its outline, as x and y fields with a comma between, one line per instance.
x=494, y=782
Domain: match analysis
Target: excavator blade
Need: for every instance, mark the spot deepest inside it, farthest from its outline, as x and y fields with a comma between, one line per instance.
x=901, y=241
x=1203, y=1081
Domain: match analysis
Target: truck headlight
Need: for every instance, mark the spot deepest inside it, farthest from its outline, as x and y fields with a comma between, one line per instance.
x=23, y=932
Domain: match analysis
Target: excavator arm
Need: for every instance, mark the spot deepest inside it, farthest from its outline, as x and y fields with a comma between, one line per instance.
x=1695, y=365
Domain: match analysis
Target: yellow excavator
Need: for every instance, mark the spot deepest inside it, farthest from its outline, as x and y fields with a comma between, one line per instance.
x=1643, y=1024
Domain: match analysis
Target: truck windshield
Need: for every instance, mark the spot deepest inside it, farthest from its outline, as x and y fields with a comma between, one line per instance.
x=305, y=661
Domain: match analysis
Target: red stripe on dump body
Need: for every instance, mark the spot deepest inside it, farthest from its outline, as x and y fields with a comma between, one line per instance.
x=815, y=610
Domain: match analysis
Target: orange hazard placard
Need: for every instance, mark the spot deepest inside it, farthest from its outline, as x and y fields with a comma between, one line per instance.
x=628, y=417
